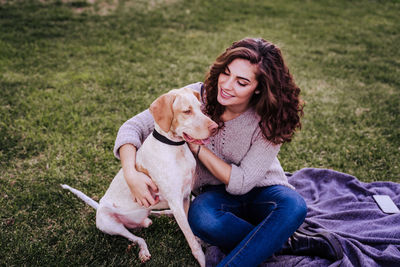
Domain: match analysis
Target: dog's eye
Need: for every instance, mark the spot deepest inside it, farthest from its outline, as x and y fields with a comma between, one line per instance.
x=187, y=112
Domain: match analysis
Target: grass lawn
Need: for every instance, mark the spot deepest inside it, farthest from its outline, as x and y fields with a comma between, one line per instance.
x=71, y=72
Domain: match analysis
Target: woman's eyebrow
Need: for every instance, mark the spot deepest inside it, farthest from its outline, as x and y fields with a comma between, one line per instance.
x=239, y=77
x=243, y=78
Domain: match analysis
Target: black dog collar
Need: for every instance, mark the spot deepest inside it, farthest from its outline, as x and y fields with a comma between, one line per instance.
x=165, y=140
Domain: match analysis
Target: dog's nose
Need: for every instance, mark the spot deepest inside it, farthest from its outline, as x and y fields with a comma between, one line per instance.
x=213, y=126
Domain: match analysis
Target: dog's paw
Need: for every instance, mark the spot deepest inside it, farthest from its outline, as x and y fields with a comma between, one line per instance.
x=144, y=255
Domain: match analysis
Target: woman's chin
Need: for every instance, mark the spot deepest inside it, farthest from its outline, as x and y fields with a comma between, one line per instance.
x=222, y=100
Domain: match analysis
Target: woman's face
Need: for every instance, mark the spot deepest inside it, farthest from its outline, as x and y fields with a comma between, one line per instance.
x=237, y=84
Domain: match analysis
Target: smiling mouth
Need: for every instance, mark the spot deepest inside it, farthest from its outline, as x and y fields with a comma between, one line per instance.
x=224, y=94
x=192, y=140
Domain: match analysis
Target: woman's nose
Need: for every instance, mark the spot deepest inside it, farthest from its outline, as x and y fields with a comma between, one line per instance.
x=227, y=83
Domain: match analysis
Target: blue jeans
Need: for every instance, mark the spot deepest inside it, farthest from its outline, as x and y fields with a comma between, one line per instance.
x=250, y=227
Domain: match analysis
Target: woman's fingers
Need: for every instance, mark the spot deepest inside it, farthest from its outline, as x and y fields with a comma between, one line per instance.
x=152, y=186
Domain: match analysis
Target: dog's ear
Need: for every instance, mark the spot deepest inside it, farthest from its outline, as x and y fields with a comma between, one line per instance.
x=196, y=94
x=162, y=112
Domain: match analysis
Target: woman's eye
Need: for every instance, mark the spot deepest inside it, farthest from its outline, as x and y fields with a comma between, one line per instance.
x=242, y=84
x=187, y=112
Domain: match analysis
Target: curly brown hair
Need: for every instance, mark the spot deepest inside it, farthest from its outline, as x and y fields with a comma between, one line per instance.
x=278, y=102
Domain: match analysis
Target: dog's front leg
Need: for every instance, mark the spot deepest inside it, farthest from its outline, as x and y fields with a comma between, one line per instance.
x=181, y=219
x=186, y=205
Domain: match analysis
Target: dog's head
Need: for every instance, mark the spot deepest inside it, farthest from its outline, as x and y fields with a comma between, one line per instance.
x=178, y=112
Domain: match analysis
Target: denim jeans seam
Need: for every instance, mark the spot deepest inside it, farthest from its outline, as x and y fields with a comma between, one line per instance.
x=258, y=228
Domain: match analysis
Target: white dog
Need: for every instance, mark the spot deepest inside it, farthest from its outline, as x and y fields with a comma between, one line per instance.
x=167, y=159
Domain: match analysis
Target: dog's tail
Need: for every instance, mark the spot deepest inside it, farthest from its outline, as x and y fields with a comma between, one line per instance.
x=82, y=196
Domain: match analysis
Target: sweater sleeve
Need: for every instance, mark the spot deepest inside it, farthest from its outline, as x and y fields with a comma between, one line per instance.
x=195, y=86
x=260, y=160
x=134, y=131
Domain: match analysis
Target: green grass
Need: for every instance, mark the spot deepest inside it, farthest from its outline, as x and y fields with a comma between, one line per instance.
x=72, y=72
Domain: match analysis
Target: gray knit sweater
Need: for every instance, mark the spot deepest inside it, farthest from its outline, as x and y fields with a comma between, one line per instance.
x=239, y=143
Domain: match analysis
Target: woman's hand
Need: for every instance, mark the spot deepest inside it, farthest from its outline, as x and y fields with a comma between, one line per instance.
x=142, y=188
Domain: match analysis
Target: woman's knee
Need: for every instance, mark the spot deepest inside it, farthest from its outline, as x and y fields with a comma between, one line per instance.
x=202, y=215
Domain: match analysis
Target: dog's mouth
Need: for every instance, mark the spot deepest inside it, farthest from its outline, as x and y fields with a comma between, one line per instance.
x=192, y=140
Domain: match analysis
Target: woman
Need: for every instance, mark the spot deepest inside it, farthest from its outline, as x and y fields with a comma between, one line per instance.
x=244, y=203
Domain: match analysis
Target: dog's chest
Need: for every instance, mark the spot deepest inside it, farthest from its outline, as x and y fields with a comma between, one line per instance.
x=171, y=167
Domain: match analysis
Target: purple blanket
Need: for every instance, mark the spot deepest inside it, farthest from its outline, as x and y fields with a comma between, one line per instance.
x=341, y=204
